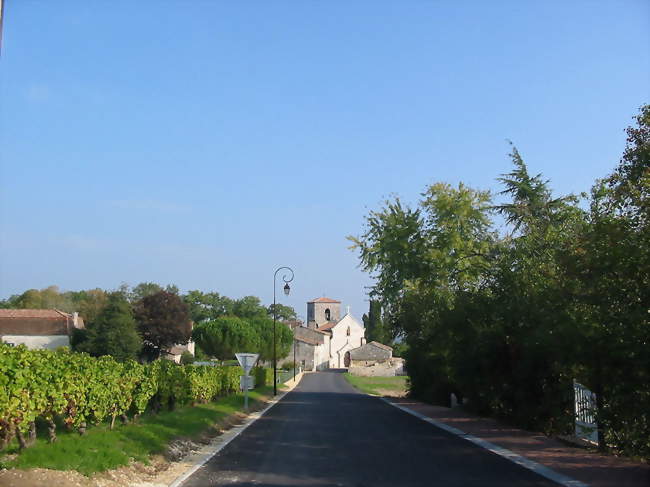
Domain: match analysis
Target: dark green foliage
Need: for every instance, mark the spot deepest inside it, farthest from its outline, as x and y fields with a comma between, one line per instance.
x=224, y=337
x=187, y=358
x=282, y=312
x=145, y=289
x=249, y=307
x=400, y=349
x=283, y=338
x=376, y=329
x=207, y=306
x=508, y=321
x=113, y=332
x=163, y=321
x=263, y=376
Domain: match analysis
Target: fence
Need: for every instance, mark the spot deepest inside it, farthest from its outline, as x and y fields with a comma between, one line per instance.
x=285, y=375
x=585, y=407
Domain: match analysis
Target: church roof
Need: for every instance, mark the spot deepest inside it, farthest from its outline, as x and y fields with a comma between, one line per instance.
x=323, y=300
x=371, y=351
x=307, y=340
x=328, y=325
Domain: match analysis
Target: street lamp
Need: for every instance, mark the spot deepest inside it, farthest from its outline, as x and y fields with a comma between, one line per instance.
x=275, y=318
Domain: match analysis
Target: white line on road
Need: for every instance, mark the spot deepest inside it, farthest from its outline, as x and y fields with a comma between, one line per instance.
x=507, y=454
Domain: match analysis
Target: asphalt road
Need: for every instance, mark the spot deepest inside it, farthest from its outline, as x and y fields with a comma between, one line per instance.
x=325, y=433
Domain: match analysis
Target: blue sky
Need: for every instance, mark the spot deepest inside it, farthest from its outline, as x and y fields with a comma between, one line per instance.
x=205, y=143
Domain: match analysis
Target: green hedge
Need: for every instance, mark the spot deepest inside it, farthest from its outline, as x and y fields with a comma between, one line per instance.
x=263, y=376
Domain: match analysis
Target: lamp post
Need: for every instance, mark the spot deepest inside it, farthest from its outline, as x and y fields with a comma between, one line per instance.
x=275, y=318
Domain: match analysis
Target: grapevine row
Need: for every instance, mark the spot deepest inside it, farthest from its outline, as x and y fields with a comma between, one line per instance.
x=80, y=389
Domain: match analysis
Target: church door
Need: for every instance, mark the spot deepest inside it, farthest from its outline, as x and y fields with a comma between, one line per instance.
x=346, y=359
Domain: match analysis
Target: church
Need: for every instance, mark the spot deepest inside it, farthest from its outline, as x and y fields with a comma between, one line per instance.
x=326, y=340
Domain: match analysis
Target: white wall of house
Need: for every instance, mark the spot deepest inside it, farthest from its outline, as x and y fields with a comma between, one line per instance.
x=322, y=354
x=341, y=341
x=40, y=342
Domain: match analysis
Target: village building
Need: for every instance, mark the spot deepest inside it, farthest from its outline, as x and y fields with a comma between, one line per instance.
x=176, y=352
x=38, y=328
x=374, y=359
x=324, y=342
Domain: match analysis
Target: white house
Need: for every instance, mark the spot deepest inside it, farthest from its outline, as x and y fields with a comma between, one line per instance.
x=38, y=328
x=327, y=338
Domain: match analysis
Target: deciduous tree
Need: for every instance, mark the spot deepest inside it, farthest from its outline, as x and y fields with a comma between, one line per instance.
x=223, y=337
x=163, y=321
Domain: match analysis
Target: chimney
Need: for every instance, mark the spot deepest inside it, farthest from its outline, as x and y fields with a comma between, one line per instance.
x=75, y=319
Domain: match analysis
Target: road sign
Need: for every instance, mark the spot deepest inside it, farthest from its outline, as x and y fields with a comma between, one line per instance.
x=247, y=360
x=246, y=382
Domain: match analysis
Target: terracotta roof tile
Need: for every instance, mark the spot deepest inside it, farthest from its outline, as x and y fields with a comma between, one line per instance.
x=53, y=314
x=381, y=345
x=327, y=326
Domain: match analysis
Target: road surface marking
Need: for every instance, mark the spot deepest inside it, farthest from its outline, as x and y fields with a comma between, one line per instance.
x=507, y=454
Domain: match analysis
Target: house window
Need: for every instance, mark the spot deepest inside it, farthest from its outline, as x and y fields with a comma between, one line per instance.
x=327, y=314
x=348, y=332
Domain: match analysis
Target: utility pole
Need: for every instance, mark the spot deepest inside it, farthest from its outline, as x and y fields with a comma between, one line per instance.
x=2, y=16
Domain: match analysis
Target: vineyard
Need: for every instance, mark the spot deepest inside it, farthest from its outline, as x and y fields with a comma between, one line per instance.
x=75, y=389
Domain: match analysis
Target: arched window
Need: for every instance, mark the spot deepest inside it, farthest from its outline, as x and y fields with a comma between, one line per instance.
x=348, y=333
x=327, y=314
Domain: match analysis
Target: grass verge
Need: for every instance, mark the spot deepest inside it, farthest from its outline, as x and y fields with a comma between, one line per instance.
x=102, y=449
x=379, y=386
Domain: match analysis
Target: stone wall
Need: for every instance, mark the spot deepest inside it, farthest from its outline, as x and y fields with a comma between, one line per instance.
x=316, y=312
x=309, y=334
x=305, y=355
x=371, y=368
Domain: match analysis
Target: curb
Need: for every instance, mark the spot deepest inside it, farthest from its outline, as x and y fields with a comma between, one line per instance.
x=507, y=454
x=223, y=440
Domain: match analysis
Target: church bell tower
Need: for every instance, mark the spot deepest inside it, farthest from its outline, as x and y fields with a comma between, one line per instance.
x=322, y=310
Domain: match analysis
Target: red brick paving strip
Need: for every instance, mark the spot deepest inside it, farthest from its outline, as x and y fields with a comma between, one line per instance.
x=594, y=469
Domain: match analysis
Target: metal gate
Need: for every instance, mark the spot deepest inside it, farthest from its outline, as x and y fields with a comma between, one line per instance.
x=585, y=407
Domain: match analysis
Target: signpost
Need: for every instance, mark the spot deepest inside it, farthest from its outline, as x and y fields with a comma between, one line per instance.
x=247, y=361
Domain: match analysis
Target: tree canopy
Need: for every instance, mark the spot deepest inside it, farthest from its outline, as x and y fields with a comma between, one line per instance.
x=163, y=321
x=509, y=319
x=223, y=337
x=282, y=312
x=112, y=332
